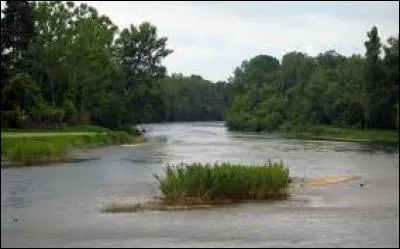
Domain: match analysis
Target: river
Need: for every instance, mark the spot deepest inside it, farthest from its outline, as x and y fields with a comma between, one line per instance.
x=58, y=205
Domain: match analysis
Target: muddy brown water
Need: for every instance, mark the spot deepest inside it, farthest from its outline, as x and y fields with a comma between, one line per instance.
x=59, y=205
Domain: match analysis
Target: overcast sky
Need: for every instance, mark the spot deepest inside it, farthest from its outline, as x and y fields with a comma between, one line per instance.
x=212, y=38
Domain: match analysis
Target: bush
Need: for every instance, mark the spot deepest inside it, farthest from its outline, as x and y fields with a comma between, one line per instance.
x=271, y=122
x=129, y=129
x=45, y=115
x=70, y=111
x=286, y=127
x=118, y=137
x=318, y=131
x=253, y=125
x=22, y=89
x=234, y=121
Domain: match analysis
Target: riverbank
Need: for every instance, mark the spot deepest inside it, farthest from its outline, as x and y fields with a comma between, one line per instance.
x=27, y=149
x=69, y=128
x=332, y=133
x=336, y=133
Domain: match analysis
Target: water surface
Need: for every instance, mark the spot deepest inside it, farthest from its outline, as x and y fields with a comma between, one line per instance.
x=58, y=206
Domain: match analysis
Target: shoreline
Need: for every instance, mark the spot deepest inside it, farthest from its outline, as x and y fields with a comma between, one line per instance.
x=386, y=142
x=339, y=134
x=23, y=150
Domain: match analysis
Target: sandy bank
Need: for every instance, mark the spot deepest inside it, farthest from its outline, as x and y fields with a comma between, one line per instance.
x=327, y=180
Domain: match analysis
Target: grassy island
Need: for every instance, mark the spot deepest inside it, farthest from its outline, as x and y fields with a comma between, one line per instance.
x=196, y=186
x=226, y=181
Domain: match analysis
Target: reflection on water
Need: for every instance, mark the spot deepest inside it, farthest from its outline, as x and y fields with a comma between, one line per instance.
x=59, y=206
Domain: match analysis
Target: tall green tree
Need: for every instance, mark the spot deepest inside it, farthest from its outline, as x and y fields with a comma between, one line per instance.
x=54, y=27
x=391, y=68
x=139, y=53
x=17, y=32
x=373, y=79
x=17, y=29
x=327, y=89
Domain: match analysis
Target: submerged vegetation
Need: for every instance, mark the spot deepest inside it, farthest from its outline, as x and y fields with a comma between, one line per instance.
x=22, y=151
x=219, y=182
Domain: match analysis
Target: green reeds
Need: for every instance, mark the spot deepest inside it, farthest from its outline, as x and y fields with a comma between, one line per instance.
x=199, y=183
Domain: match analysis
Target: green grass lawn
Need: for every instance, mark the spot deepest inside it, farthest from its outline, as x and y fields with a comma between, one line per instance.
x=21, y=150
x=74, y=128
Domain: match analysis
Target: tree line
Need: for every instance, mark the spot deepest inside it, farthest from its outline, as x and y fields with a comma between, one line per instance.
x=329, y=89
x=63, y=63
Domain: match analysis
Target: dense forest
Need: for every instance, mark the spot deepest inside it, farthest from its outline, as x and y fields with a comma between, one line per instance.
x=67, y=64
x=63, y=63
x=195, y=99
x=329, y=89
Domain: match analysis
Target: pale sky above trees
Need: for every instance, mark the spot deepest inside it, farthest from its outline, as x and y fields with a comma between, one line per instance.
x=212, y=38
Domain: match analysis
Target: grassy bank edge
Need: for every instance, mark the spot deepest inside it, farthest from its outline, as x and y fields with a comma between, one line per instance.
x=340, y=134
x=69, y=128
x=37, y=150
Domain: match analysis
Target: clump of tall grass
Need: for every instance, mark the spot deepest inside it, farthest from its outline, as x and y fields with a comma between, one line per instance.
x=198, y=182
